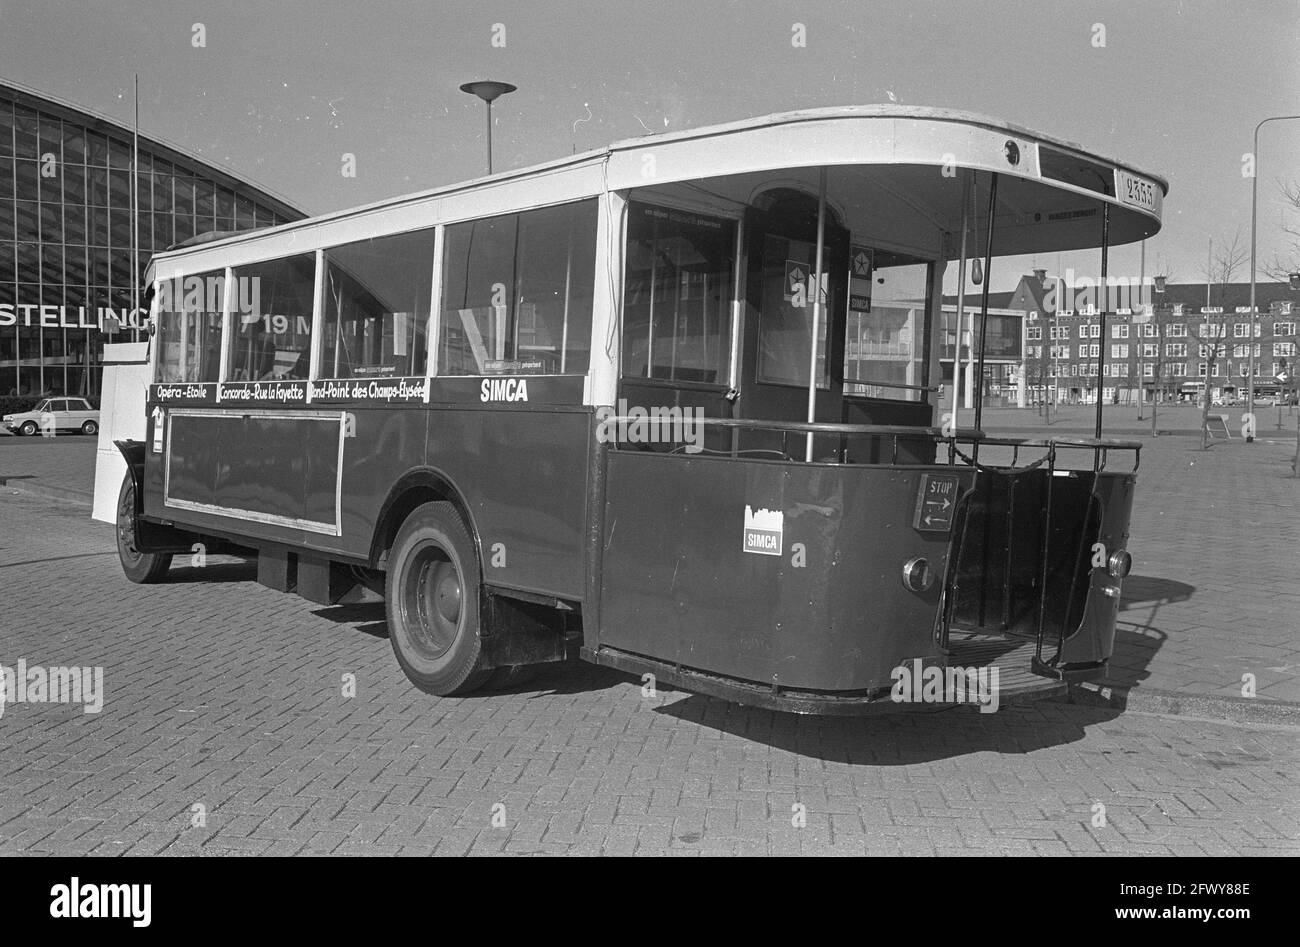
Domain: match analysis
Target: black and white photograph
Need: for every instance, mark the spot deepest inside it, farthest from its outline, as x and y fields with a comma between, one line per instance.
x=708, y=428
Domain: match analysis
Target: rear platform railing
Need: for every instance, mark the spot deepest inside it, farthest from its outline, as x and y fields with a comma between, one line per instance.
x=894, y=434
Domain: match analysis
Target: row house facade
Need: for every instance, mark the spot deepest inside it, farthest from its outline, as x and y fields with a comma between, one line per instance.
x=1171, y=348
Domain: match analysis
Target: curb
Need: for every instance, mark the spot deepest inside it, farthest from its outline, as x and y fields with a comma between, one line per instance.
x=1234, y=709
x=49, y=493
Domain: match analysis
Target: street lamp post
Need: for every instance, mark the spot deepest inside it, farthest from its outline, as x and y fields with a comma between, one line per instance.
x=488, y=91
x=1254, y=203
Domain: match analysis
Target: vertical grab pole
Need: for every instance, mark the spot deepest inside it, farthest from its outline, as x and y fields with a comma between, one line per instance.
x=957, y=380
x=984, y=309
x=1105, y=299
x=815, y=282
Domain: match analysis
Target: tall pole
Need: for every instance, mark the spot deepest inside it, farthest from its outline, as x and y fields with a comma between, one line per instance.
x=135, y=206
x=1209, y=270
x=815, y=282
x=1254, y=201
x=984, y=305
x=488, y=90
x=1105, y=299
x=1142, y=276
x=958, y=382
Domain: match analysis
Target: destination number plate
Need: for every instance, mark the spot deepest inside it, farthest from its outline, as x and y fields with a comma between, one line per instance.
x=1139, y=192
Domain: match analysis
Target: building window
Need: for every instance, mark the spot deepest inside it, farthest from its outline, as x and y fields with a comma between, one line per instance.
x=1178, y=370
x=1094, y=350
x=1284, y=328
x=1119, y=351
x=1148, y=370
x=1150, y=331
x=1201, y=369
x=1083, y=350
x=1176, y=330
x=1119, y=331
x=1150, y=351
x=1175, y=350
x=517, y=293
x=1283, y=349
x=1241, y=330
x=1094, y=331
x=1083, y=330
x=1034, y=333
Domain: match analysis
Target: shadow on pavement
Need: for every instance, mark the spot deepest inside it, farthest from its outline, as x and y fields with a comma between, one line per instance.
x=898, y=738
x=1137, y=636
x=237, y=570
x=365, y=617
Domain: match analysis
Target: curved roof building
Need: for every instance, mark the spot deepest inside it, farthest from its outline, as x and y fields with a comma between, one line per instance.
x=66, y=236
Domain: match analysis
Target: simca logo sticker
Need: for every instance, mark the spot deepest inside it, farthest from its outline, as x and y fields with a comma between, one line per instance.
x=763, y=531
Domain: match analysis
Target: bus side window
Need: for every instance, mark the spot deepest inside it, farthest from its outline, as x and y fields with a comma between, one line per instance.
x=377, y=306
x=677, y=300
x=517, y=293
x=189, y=328
x=272, y=317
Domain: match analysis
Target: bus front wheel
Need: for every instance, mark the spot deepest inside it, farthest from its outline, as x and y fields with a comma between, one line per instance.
x=140, y=567
x=432, y=596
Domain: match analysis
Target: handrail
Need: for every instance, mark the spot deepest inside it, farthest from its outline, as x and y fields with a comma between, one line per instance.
x=1099, y=446
x=803, y=427
x=1079, y=442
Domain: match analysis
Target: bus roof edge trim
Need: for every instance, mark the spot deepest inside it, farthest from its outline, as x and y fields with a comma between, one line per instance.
x=600, y=155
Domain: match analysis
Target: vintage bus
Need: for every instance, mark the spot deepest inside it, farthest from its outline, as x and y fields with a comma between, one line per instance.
x=673, y=407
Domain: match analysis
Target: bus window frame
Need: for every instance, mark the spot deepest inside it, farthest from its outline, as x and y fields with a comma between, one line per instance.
x=646, y=196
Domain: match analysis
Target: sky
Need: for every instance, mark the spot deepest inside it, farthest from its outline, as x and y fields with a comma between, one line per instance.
x=279, y=92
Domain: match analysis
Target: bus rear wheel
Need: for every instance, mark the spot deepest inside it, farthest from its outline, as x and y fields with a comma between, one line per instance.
x=143, y=568
x=432, y=595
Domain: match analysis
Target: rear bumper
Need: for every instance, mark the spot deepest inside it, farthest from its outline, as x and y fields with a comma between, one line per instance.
x=1014, y=682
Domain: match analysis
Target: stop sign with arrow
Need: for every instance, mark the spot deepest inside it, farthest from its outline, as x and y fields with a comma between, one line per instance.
x=936, y=499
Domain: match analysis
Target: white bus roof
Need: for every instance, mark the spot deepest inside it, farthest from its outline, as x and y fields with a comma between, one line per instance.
x=896, y=173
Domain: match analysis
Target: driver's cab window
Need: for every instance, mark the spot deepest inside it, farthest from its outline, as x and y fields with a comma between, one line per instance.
x=885, y=351
x=677, y=296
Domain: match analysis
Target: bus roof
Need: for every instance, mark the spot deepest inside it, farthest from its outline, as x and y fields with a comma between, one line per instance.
x=914, y=139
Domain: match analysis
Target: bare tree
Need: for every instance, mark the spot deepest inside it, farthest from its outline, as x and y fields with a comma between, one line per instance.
x=1225, y=261
x=1164, y=269
x=1284, y=264
x=1214, y=342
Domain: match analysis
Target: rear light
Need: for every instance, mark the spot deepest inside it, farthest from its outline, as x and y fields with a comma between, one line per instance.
x=1120, y=563
x=917, y=574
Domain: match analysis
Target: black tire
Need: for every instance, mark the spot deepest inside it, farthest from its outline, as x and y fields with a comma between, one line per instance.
x=431, y=596
x=143, y=568
x=89, y=428
x=28, y=428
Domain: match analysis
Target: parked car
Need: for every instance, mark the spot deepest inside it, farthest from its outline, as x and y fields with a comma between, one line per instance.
x=57, y=414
